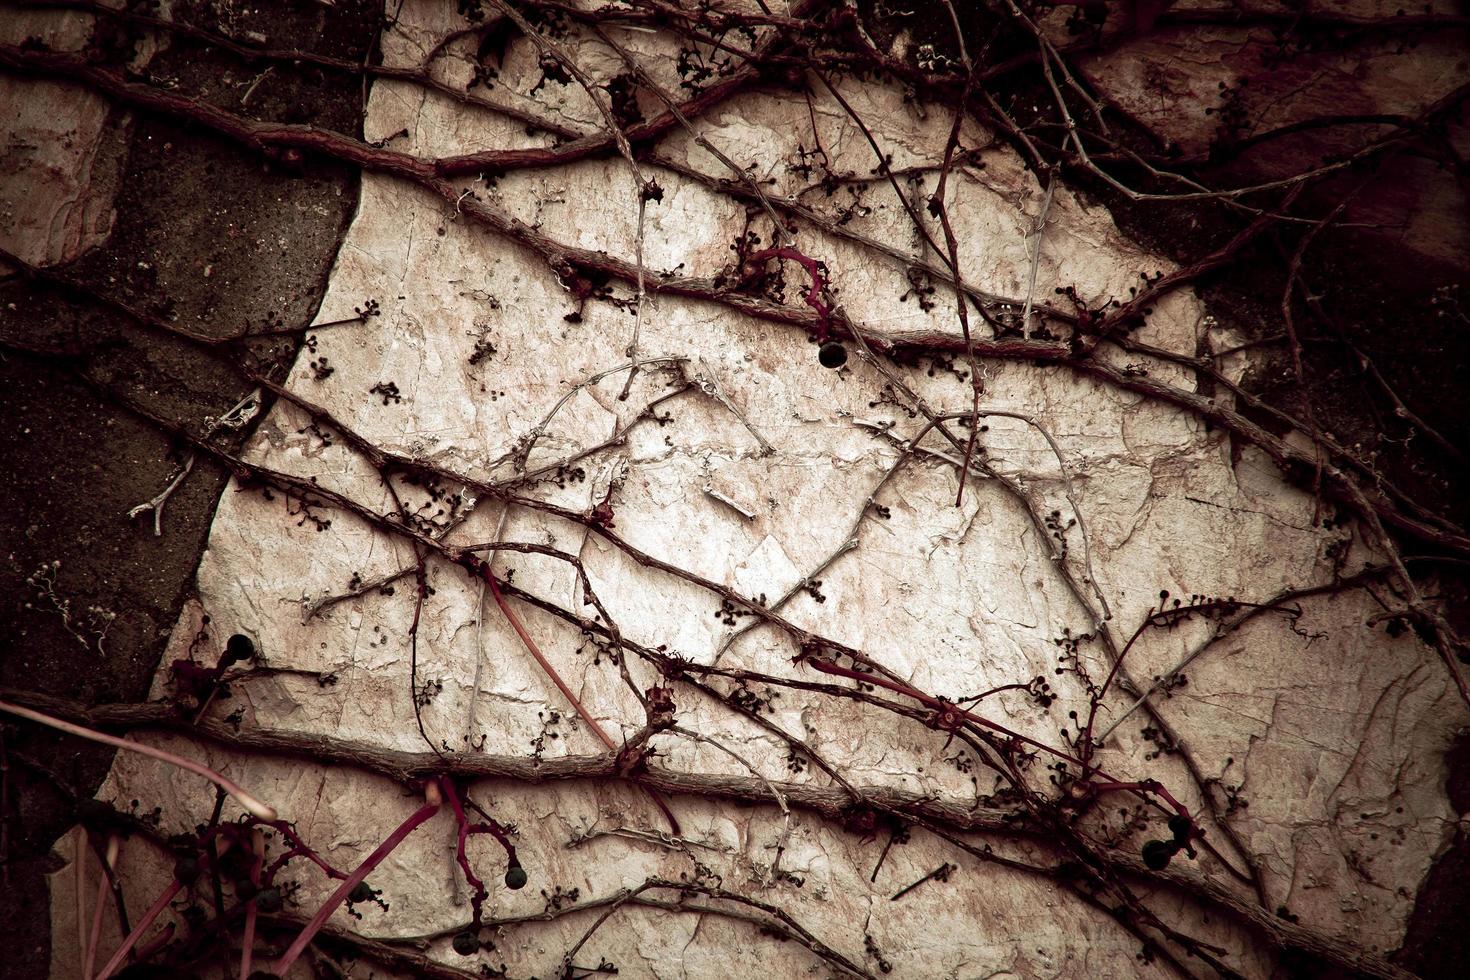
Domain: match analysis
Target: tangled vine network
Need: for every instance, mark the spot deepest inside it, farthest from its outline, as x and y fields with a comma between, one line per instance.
x=778, y=488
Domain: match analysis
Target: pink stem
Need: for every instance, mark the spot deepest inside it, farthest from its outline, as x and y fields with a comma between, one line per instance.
x=83, y=845
x=250, y=803
x=813, y=297
x=153, y=912
x=247, y=947
x=464, y=861
x=157, y=907
x=827, y=667
x=305, y=852
x=299, y=848
x=550, y=671
x=1142, y=789
x=90, y=959
x=304, y=938
x=483, y=570
x=155, y=944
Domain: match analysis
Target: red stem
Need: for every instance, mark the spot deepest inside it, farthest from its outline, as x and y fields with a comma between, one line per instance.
x=1143, y=789
x=307, y=934
x=299, y=848
x=550, y=671
x=1097, y=699
x=482, y=568
x=153, y=912
x=1161, y=618
x=142, y=953
x=827, y=667
x=464, y=862
x=109, y=856
x=247, y=942
x=250, y=803
x=813, y=297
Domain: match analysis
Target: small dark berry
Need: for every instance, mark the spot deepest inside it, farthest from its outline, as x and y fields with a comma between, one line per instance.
x=240, y=647
x=245, y=889
x=1180, y=826
x=832, y=355
x=361, y=892
x=516, y=877
x=186, y=870
x=269, y=901
x=466, y=944
x=1158, y=853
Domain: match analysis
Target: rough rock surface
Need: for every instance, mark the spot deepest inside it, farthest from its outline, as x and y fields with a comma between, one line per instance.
x=785, y=482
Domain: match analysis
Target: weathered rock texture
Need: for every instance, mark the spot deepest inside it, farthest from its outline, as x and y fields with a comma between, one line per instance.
x=726, y=496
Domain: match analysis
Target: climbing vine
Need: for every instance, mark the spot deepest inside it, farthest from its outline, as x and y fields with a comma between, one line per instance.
x=1053, y=798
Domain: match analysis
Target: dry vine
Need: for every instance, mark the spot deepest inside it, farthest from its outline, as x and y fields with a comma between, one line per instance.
x=1174, y=860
